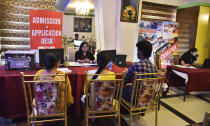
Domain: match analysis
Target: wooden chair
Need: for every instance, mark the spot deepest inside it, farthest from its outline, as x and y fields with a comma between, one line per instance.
x=206, y=120
x=157, y=61
x=45, y=97
x=146, y=90
x=71, y=53
x=175, y=59
x=104, y=96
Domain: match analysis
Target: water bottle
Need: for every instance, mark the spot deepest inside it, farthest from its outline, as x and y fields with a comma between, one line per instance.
x=110, y=65
x=66, y=61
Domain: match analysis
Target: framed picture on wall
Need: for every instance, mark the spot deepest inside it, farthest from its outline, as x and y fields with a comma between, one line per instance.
x=129, y=11
x=82, y=24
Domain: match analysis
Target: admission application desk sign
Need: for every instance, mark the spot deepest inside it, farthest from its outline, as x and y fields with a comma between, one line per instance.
x=45, y=29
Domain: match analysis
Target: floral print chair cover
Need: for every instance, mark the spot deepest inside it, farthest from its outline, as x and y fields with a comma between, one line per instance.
x=46, y=95
x=148, y=92
x=104, y=93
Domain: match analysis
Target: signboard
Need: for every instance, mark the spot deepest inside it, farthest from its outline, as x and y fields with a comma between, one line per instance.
x=163, y=35
x=165, y=57
x=45, y=29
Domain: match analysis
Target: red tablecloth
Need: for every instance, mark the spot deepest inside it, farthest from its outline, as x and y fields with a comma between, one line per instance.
x=198, y=79
x=12, y=104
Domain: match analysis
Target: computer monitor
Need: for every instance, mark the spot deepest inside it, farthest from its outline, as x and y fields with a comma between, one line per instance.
x=77, y=42
x=111, y=54
x=120, y=59
x=43, y=52
x=206, y=63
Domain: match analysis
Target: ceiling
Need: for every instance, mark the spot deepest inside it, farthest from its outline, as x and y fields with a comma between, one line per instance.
x=66, y=5
x=73, y=4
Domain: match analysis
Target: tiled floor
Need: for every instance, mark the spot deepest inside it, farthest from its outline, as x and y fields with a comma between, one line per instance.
x=165, y=118
x=193, y=107
x=173, y=112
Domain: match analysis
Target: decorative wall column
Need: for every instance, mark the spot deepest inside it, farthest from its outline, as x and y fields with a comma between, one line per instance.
x=99, y=25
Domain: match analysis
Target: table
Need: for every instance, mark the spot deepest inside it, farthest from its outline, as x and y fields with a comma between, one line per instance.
x=12, y=104
x=198, y=79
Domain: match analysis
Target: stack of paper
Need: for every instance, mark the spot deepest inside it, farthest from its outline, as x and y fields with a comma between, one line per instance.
x=74, y=64
x=88, y=64
x=185, y=66
x=66, y=70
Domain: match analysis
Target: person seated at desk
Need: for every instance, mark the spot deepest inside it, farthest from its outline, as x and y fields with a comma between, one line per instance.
x=52, y=62
x=76, y=37
x=83, y=55
x=144, y=50
x=83, y=39
x=189, y=58
x=102, y=62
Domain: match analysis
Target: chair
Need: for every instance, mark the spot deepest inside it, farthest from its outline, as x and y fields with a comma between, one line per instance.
x=157, y=61
x=146, y=90
x=45, y=97
x=71, y=53
x=206, y=120
x=175, y=59
x=104, y=96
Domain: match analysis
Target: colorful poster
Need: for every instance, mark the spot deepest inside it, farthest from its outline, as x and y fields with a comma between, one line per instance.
x=148, y=31
x=163, y=36
x=45, y=29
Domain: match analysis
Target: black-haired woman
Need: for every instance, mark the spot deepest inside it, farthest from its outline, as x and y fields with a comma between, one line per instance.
x=83, y=55
x=189, y=58
x=102, y=62
x=52, y=62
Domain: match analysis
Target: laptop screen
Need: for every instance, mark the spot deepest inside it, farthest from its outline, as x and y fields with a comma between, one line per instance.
x=121, y=59
x=77, y=42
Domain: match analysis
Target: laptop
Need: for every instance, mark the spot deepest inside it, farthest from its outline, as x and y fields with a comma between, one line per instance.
x=206, y=63
x=77, y=43
x=120, y=59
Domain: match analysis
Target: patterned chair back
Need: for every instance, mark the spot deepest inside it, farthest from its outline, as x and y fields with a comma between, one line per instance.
x=45, y=96
x=146, y=89
x=104, y=96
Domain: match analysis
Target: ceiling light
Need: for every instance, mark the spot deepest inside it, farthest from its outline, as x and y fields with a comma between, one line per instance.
x=82, y=8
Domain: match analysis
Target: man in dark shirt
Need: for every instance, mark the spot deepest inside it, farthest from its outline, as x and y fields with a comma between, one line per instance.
x=76, y=37
x=189, y=57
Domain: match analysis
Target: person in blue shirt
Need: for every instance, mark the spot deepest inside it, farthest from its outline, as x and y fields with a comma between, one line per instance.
x=144, y=50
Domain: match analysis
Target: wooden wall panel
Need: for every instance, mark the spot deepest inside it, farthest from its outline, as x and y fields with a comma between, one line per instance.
x=188, y=20
x=153, y=11
x=14, y=22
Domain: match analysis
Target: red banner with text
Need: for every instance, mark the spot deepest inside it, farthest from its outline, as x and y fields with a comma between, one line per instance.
x=45, y=29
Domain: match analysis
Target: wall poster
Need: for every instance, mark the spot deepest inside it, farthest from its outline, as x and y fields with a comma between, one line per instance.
x=163, y=35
